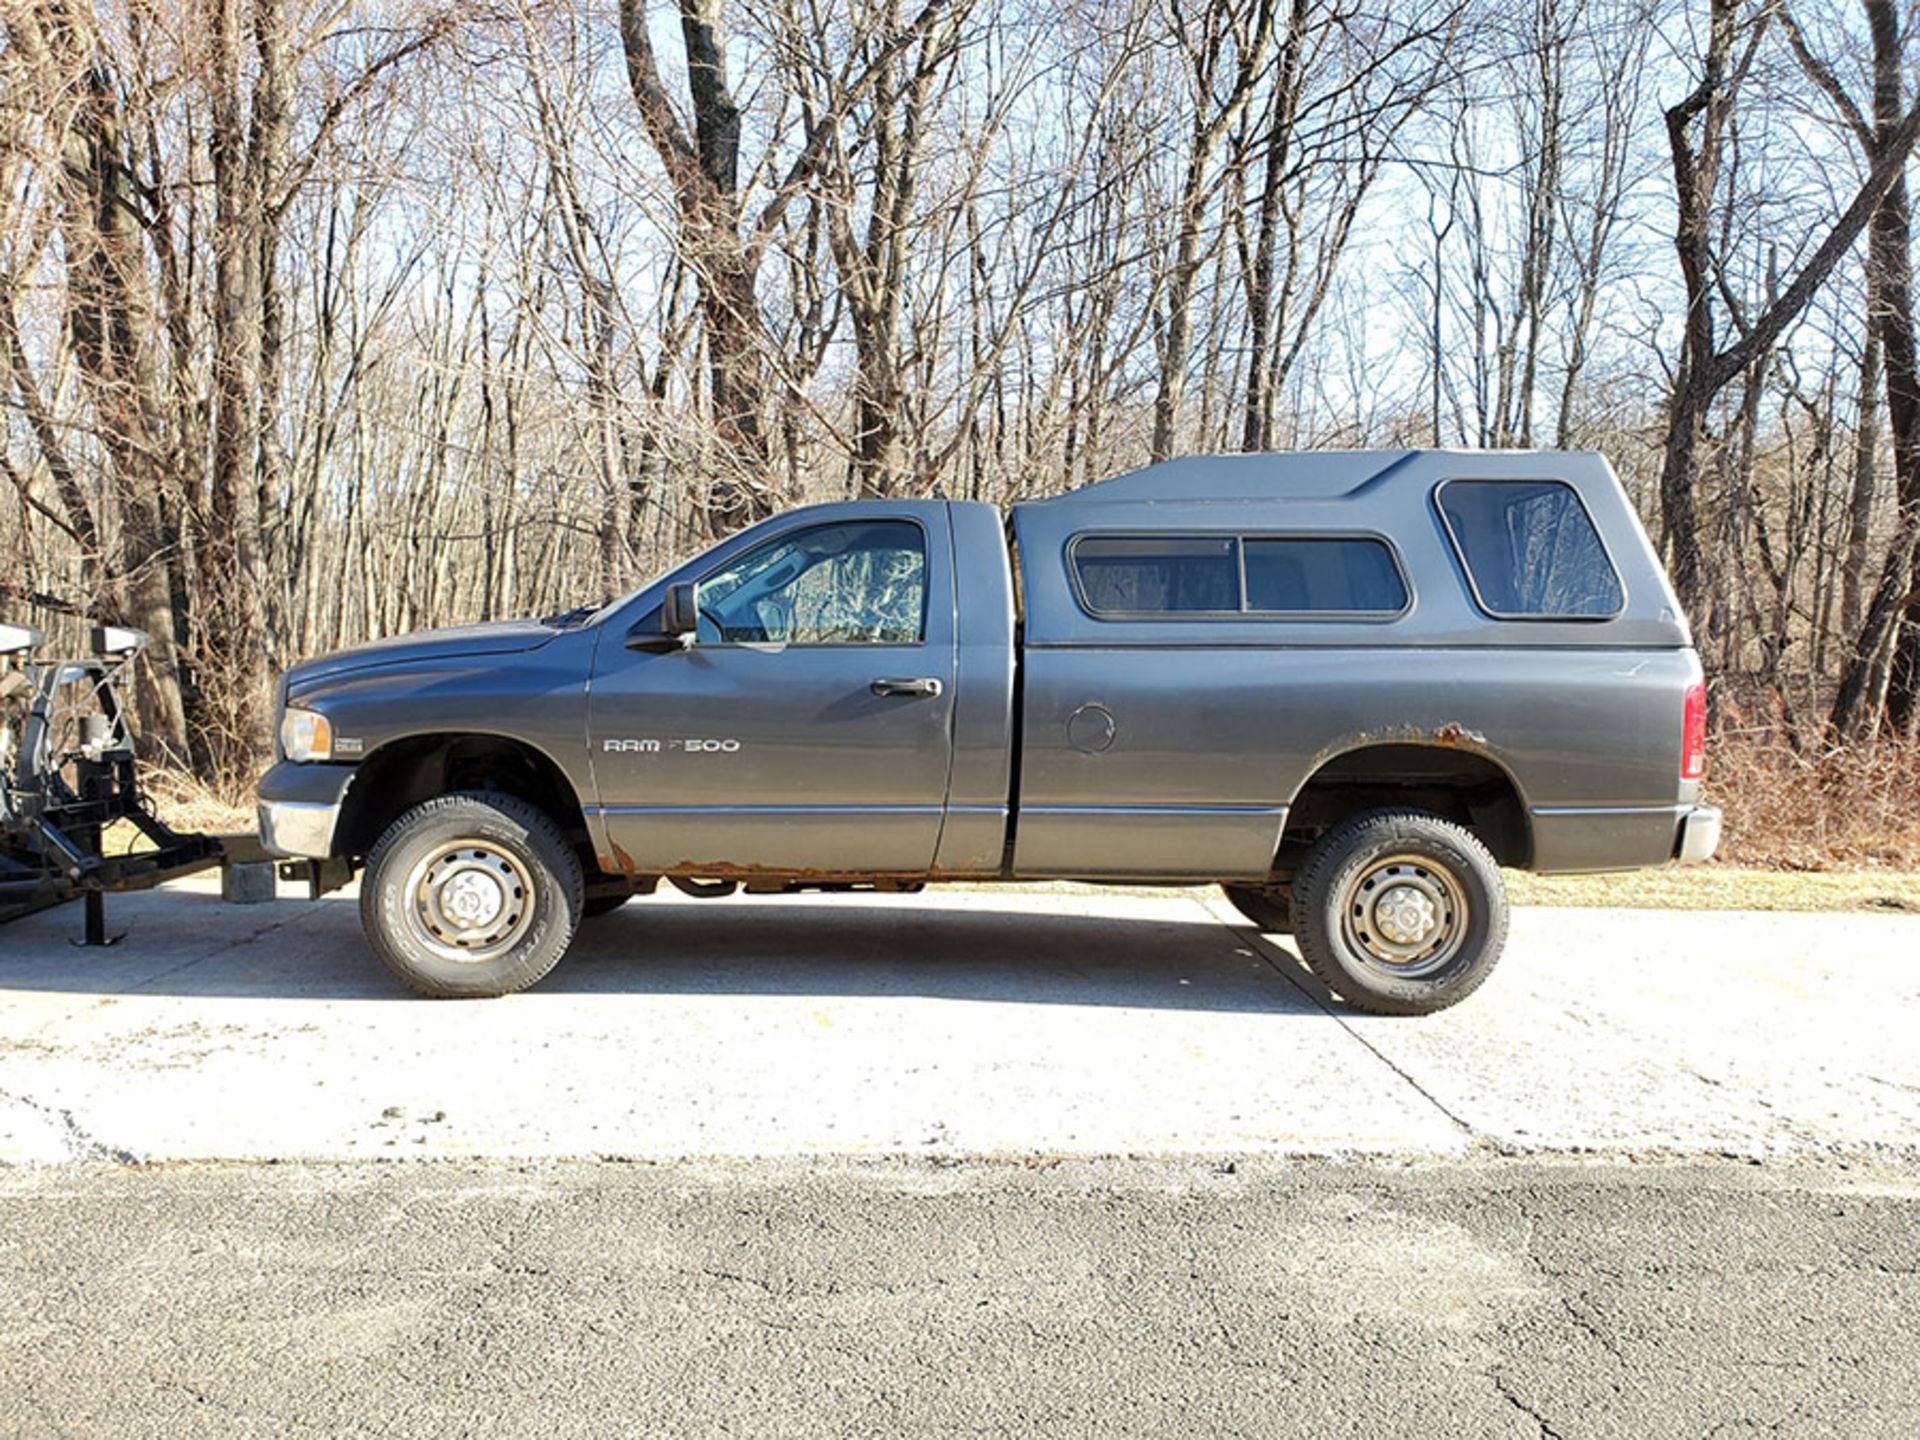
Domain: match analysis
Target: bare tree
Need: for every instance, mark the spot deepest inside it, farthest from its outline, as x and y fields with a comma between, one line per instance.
x=719, y=243
x=1697, y=131
x=57, y=52
x=1224, y=51
x=1867, y=678
x=315, y=325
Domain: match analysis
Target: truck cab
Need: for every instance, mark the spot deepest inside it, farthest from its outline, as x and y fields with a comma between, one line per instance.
x=1236, y=670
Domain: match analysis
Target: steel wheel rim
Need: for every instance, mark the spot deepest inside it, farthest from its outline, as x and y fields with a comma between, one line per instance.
x=469, y=901
x=1405, y=916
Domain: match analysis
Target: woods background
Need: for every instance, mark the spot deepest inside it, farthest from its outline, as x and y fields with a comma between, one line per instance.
x=327, y=320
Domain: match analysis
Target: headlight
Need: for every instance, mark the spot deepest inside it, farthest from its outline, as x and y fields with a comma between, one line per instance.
x=305, y=735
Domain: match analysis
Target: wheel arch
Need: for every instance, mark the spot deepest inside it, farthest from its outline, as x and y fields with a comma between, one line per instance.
x=402, y=772
x=1452, y=778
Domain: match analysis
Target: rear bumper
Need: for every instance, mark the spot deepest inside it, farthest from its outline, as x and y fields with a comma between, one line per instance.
x=1699, y=834
x=1588, y=839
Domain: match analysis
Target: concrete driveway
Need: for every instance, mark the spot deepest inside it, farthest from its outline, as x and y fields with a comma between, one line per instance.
x=1010, y=1023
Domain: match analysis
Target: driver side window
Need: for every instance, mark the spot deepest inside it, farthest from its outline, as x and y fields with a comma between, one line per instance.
x=855, y=583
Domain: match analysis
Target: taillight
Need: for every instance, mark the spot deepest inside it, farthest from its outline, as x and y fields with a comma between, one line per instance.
x=1693, y=740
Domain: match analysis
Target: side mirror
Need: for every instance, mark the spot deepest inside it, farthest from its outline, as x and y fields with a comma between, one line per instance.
x=675, y=629
x=678, y=616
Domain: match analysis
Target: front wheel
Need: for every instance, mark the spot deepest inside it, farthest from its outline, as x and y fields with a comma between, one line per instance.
x=1400, y=912
x=470, y=895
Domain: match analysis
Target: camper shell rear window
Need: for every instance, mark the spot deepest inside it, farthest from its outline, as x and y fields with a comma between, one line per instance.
x=1192, y=576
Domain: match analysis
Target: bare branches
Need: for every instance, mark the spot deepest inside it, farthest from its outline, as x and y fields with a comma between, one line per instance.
x=437, y=28
x=318, y=323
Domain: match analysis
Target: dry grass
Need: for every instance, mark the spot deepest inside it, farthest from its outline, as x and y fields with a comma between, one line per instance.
x=187, y=803
x=1816, y=811
x=1724, y=887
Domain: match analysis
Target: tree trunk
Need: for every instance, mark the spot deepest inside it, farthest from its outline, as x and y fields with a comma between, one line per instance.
x=731, y=306
x=1177, y=308
x=1257, y=428
x=1853, y=573
x=704, y=169
x=1696, y=169
x=230, y=607
x=1868, y=679
x=1703, y=371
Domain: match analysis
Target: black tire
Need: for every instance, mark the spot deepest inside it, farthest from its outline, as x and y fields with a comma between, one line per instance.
x=488, y=850
x=598, y=905
x=1426, y=872
x=1267, y=906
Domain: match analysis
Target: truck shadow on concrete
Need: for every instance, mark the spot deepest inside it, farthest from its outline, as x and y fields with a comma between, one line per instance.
x=190, y=945
x=785, y=947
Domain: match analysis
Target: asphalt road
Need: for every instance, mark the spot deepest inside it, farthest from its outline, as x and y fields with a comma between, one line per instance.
x=912, y=1298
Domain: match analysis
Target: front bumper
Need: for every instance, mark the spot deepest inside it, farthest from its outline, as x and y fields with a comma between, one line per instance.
x=298, y=829
x=300, y=808
x=1699, y=834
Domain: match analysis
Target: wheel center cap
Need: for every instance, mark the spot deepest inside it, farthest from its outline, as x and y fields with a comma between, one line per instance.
x=1405, y=915
x=472, y=899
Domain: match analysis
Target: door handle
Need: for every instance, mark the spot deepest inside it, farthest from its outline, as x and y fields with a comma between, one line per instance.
x=918, y=685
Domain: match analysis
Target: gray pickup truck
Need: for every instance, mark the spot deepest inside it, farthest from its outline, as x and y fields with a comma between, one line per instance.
x=1347, y=687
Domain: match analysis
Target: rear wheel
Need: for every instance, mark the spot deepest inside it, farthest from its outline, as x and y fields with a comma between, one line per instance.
x=1400, y=912
x=472, y=894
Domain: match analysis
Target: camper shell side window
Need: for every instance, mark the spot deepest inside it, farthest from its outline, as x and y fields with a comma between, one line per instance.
x=1190, y=576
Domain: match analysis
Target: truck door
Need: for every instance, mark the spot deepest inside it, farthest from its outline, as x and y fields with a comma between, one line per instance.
x=808, y=727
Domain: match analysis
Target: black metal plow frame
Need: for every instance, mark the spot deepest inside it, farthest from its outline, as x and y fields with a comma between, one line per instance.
x=68, y=773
